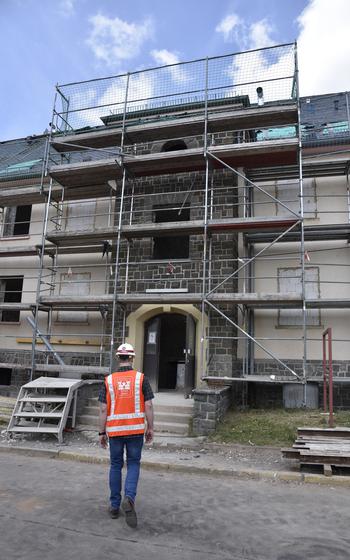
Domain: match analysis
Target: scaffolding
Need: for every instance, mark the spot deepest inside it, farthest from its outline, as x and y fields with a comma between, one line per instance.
x=237, y=115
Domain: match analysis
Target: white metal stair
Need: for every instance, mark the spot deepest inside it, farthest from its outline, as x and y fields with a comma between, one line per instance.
x=44, y=405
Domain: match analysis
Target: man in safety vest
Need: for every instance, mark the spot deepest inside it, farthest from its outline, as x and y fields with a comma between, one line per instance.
x=125, y=405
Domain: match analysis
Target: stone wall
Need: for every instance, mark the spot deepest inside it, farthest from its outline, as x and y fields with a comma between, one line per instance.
x=314, y=368
x=19, y=376
x=210, y=407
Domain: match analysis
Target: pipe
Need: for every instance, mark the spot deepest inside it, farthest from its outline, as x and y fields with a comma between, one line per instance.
x=46, y=342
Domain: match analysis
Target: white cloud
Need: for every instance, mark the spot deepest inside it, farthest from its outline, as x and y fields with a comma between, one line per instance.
x=114, y=40
x=248, y=36
x=164, y=57
x=252, y=69
x=66, y=7
x=228, y=25
x=107, y=97
x=324, y=47
x=260, y=34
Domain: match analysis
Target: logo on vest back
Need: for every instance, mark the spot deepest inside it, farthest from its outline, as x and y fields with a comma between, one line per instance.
x=124, y=385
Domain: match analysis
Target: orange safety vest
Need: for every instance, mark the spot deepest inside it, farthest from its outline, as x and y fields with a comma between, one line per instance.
x=125, y=403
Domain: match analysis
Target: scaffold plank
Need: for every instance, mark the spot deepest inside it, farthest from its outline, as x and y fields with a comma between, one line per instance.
x=188, y=125
x=246, y=154
x=269, y=300
x=193, y=227
x=14, y=306
x=311, y=233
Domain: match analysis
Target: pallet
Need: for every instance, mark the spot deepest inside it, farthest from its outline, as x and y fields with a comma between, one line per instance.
x=328, y=448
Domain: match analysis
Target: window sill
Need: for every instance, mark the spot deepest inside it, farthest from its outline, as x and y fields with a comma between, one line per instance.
x=280, y=327
x=15, y=238
x=10, y=322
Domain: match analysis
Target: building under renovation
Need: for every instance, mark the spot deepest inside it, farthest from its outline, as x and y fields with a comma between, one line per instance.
x=199, y=211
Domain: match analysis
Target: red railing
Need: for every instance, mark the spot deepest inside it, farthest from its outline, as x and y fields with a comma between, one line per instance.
x=328, y=376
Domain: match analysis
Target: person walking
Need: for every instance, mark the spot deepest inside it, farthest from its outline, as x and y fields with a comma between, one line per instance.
x=125, y=403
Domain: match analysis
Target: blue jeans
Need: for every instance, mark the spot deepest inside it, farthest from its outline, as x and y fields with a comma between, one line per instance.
x=133, y=447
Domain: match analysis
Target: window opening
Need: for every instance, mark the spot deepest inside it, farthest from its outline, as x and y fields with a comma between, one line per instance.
x=171, y=246
x=74, y=284
x=289, y=280
x=10, y=292
x=174, y=145
x=81, y=216
x=17, y=221
x=5, y=376
x=288, y=192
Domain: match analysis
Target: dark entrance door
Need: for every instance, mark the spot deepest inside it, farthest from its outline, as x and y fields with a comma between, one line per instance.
x=151, y=351
x=165, y=355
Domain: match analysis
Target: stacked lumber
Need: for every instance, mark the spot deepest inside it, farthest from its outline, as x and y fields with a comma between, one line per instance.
x=328, y=447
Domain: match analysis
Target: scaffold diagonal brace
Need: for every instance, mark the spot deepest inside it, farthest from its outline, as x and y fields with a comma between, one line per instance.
x=271, y=354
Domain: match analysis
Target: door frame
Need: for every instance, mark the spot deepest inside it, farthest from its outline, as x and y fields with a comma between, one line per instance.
x=135, y=324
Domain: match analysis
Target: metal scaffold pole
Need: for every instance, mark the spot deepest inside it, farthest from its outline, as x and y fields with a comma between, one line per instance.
x=41, y=265
x=302, y=231
x=205, y=231
x=44, y=174
x=118, y=242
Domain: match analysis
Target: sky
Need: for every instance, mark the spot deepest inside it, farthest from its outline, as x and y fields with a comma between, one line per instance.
x=48, y=42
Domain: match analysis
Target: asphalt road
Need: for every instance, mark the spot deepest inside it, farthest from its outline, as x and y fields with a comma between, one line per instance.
x=57, y=510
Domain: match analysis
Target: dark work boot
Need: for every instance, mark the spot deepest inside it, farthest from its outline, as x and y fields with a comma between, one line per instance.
x=114, y=512
x=130, y=513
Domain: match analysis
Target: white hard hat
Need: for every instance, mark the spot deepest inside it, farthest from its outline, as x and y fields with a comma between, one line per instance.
x=125, y=350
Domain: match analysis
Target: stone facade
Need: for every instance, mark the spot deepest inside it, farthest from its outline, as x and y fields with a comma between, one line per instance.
x=144, y=272
x=210, y=407
x=341, y=368
x=19, y=376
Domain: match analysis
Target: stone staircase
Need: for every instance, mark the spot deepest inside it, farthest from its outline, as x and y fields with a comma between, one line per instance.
x=172, y=414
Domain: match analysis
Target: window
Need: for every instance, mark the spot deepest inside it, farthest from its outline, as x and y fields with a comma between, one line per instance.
x=75, y=284
x=5, y=376
x=288, y=192
x=10, y=292
x=174, y=246
x=289, y=280
x=17, y=221
x=174, y=145
x=81, y=216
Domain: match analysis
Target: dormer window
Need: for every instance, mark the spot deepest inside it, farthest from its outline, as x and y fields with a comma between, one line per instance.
x=174, y=145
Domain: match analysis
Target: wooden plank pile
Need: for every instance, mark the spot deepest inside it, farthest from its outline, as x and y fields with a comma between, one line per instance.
x=327, y=447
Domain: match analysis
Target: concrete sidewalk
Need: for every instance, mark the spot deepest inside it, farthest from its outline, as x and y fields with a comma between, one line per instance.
x=187, y=455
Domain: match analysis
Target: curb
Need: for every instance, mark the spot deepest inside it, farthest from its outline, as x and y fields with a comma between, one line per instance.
x=243, y=474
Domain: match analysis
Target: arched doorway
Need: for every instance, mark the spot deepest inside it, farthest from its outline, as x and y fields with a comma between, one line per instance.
x=169, y=352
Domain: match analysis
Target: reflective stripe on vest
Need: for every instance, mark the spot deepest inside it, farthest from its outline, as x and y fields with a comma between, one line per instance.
x=125, y=403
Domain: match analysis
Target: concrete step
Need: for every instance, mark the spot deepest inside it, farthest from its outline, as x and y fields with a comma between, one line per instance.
x=176, y=410
x=187, y=406
x=171, y=417
x=89, y=423
x=88, y=420
x=171, y=427
x=160, y=417
x=94, y=410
